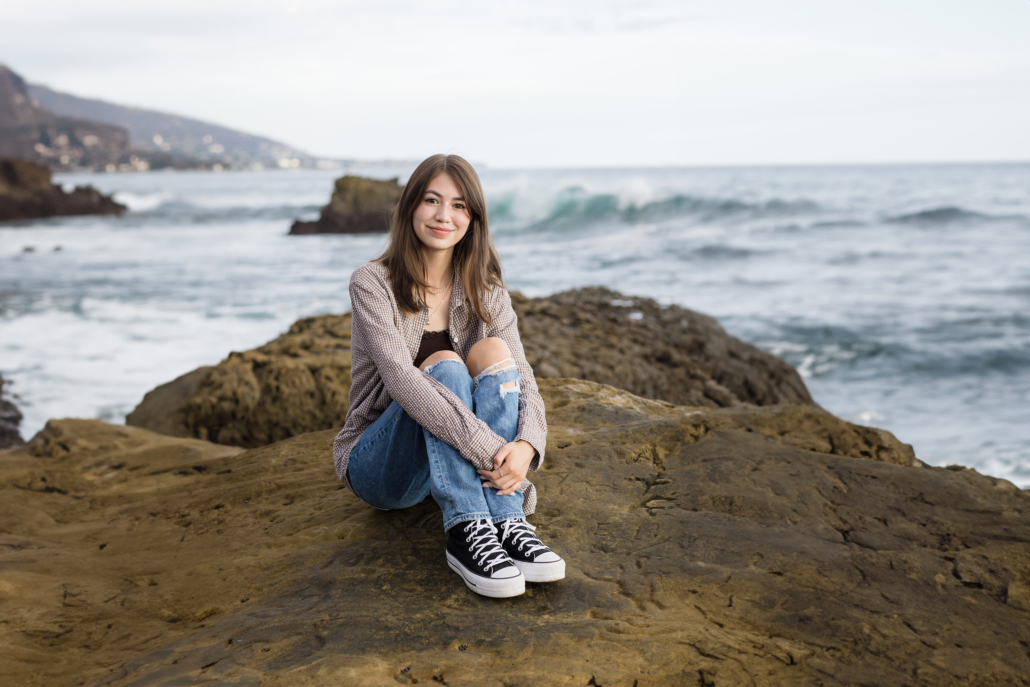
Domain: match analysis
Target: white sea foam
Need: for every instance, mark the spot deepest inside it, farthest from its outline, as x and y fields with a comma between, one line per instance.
x=142, y=202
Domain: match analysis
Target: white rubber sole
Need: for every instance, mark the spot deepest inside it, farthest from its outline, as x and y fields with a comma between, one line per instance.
x=488, y=586
x=542, y=572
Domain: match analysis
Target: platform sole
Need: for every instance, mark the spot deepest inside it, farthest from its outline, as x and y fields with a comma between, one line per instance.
x=487, y=586
x=542, y=572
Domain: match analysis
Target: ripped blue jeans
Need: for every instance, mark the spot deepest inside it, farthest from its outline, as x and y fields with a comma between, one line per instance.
x=397, y=462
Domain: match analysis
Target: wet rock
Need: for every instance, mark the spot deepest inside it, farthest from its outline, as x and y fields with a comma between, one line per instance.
x=358, y=205
x=26, y=192
x=300, y=382
x=703, y=548
x=10, y=418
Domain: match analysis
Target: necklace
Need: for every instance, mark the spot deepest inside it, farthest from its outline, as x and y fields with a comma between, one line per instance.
x=433, y=311
x=437, y=292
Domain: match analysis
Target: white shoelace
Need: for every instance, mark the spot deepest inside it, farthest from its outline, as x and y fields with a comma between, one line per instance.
x=485, y=544
x=521, y=535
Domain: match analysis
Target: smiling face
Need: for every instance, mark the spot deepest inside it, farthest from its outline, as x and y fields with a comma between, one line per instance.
x=441, y=217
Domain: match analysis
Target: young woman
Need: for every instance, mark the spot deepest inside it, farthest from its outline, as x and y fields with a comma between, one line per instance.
x=442, y=400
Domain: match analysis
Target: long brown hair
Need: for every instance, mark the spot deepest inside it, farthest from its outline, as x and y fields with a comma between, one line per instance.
x=474, y=255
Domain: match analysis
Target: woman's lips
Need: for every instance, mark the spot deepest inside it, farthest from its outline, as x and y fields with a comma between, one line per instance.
x=439, y=231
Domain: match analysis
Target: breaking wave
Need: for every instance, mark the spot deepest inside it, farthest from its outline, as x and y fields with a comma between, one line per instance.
x=576, y=207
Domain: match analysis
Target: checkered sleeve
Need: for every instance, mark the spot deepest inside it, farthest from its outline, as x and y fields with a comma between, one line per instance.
x=431, y=404
x=532, y=421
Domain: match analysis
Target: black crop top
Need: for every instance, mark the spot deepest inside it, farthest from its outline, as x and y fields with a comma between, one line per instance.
x=431, y=343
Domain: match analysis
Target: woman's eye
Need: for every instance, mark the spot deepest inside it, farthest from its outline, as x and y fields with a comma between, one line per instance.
x=430, y=200
x=459, y=206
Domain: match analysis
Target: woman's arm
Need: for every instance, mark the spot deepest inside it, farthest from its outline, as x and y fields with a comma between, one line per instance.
x=532, y=421
x=427, y=401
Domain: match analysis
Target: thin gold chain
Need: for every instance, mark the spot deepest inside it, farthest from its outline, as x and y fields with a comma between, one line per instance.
x=442, y=299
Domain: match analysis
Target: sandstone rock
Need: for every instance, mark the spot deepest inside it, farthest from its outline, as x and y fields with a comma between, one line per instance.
x=162, y=409
x=10, y=418
x=358, y=205
x=297, y=383
x=26, y=192
x=300, y=382
x=703, y=548
x=668, y=353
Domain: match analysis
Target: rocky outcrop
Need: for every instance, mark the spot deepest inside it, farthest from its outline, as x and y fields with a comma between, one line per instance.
x=30, y=132
x=300, y=382
x=26, y=192
x=705, y=546
x=297, y=383
x=358, y=205
x=10, y=418
x=667, y=353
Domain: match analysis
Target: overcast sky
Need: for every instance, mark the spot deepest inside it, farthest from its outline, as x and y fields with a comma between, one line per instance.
x=558, y=82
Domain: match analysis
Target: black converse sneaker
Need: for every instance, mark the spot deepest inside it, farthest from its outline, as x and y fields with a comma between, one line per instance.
x=537, y=562
x=474, y=553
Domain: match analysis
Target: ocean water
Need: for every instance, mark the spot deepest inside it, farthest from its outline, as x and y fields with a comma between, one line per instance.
x=901, y=293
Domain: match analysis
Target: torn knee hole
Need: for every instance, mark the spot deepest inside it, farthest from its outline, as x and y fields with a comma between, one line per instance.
x=511, y=387
x=500, y=366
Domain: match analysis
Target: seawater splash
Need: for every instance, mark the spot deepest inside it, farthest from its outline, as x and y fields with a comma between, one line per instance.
x=143, y=202
x=900, y=293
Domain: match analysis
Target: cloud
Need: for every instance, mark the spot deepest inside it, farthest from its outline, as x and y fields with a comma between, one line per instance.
x=547, y=82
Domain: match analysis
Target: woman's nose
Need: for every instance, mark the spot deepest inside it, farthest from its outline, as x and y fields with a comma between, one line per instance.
x=443, y=213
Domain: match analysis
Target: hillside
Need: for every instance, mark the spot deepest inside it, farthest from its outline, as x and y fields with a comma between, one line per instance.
x=30, y=132
x=179, y=136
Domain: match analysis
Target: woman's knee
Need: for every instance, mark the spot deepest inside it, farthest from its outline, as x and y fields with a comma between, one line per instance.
x=439, y=356
x=451, y=372
x=486, y=352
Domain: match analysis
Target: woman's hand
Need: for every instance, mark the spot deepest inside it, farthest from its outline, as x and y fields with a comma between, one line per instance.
x=512, y=464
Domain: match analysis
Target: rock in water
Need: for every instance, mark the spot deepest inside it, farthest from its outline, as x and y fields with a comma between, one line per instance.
x=10, y=418
x=300, y=382
x=358, y=205
x=26, y=192
x=703, y=548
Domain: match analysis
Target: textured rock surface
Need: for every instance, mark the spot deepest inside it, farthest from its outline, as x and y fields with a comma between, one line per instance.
x=299, y=382
x=26, y=192
x=358, y=205
x=671, y=353
x=704, y=547
x=10, y=418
